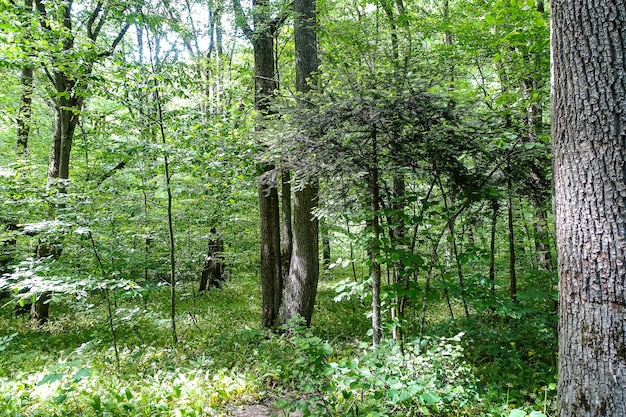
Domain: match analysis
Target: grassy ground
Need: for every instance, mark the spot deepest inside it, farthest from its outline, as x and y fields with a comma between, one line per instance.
x=68, y=367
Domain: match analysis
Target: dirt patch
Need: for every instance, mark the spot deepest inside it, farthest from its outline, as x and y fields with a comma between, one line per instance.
x=262, y=410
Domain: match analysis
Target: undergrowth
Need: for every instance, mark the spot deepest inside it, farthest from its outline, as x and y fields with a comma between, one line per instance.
x=500, y=366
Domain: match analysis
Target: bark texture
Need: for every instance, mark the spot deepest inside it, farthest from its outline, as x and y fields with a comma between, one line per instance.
x=271, y=278
x=301, y=285
x=26, y=110
x=265, y=85
x=589, y=145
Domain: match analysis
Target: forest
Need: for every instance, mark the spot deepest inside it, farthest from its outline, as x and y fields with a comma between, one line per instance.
x=312, y=208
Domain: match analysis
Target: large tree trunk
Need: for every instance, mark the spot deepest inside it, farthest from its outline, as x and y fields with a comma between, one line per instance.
x=271, y=278
x=286, y=230
x=589, y=147
x=301, y=285
x=265, y=85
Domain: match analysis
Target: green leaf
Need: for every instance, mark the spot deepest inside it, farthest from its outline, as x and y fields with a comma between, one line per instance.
x=82, y=373
x=50, y=378
x=517, y=413
x=430, y=398
x=60, y=399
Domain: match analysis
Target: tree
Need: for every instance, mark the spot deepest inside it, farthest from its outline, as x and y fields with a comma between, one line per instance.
x=261, y=36
x=589, y=128
x=300, y=288
x=26, y=99
x=69, y=69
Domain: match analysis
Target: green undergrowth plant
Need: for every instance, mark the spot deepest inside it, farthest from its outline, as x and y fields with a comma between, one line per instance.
x=67, y=367
x=420, y=377
x=512, y=348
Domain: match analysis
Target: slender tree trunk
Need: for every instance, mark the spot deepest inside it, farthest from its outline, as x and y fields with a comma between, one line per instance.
x=542, y=240
x=325, y=235
x=495, y=207
x=398, y=241
x=26, y=110
x=589, y=148
x=375, y=272
x=512, y=271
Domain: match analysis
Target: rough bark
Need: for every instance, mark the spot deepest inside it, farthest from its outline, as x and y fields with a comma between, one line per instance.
x=286, y=229
x=271, y=278
x=589, y=154
x=301, y=286
x=265, y=86
x=26, y=109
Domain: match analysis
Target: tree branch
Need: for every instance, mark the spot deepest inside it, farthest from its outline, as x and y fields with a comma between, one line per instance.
x=240, y=19
x=91, y=20
x=117, y=40
x=110, y=173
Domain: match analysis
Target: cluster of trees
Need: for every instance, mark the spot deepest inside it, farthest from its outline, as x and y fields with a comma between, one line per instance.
x=415, y=129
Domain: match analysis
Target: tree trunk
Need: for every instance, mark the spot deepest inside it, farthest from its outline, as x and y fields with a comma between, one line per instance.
x=542, y=240
x=271, y=278
x=512, y=271
x=589, y=148
x=213, y=269
x=301, y=285
x=375, y=274
x=265, y=86
x=26, y=110
x=286, y=232
x=326, y=255
x=495, y=207
x=397, y=235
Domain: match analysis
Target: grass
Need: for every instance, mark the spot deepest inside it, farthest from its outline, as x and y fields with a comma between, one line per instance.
x=67, y=367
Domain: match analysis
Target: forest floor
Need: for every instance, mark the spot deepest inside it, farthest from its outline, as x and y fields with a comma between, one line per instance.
x=263, y=410
x=224, y=364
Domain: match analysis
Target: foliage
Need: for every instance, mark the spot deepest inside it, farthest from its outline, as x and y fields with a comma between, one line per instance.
x=419, y=377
